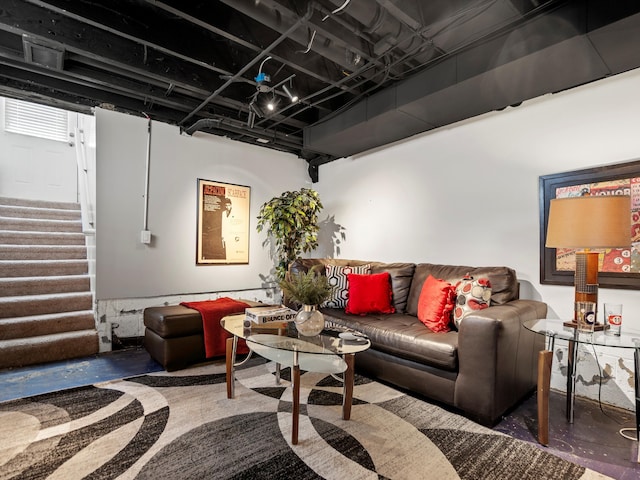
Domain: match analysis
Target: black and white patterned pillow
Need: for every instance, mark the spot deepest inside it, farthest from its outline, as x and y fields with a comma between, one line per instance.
x=337, y=275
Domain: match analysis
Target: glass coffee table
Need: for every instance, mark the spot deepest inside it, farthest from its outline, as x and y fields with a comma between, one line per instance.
x=331, y=352
x=554, y=329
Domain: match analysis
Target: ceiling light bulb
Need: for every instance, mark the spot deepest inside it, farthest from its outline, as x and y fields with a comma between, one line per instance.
x=270, y=106
x=293, y=98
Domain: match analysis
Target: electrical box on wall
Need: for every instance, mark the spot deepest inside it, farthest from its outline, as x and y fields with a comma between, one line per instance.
x=145, y=236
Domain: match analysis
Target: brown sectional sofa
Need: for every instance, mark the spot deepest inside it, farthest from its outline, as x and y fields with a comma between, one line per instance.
x=483, y=369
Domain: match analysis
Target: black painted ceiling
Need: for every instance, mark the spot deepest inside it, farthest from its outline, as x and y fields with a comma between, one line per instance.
x=367, y=72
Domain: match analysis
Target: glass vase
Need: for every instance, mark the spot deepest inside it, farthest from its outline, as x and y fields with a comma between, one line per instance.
x=309, y=321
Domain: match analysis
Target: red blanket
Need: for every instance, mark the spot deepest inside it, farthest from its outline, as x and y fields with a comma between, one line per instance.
x=215, y=336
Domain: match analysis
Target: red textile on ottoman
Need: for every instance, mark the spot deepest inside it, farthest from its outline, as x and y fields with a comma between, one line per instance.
x=212, y=311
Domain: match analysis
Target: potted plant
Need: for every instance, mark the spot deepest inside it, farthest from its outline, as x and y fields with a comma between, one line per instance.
x=309, y=289
x=291, y=220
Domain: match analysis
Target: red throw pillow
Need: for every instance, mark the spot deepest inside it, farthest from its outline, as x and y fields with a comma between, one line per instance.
x=369, y=294
x=436, y=302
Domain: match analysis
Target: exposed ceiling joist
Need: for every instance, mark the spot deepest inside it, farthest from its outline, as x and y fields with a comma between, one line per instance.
x=366, y=73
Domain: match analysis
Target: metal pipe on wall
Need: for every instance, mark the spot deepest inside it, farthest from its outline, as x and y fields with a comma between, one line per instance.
x=146, y=176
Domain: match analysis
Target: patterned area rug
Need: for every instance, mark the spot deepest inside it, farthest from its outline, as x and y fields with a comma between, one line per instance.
x=181, y=425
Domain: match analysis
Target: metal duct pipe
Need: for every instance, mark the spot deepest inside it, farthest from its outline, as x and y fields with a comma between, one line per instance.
x=274, y=137
x=200, y=124
x=266, y=13
x=390, y=31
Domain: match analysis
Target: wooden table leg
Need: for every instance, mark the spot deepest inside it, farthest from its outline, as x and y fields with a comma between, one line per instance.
x=545, y=358
x=347, y=388
x=230, y=361
x=295, y=378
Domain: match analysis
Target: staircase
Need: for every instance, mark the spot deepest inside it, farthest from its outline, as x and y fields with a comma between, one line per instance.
x=46, y=304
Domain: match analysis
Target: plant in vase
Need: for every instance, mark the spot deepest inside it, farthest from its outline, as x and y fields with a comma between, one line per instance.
x=291, y=220
x=309, y=289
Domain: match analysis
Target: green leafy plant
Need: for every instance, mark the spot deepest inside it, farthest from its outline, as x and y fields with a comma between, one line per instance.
x=291, y=220
x=307, y=288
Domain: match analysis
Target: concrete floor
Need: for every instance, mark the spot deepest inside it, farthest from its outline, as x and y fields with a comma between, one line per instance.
x=593, y=440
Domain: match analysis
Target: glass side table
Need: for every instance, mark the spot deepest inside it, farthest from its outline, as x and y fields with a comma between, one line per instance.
x=554, y=329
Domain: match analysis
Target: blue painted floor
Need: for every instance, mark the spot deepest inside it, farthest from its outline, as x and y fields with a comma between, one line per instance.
x=34, y=380
x=593, y=440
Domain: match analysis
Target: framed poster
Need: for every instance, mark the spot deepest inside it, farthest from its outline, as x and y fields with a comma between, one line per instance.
x=618, y=268
x=223, y=223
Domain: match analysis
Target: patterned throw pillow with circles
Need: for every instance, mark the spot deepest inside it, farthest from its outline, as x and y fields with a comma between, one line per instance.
x=471, y=295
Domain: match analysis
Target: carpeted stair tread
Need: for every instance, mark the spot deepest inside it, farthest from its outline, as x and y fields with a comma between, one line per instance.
x=17, y=237
x=43, y=252
x=26, y=305
x=43, y=268
x=46, y=303
x=33, y=212
x=23, y=202
x=14, y=286
x=48, y=348
x=36, y=325
x=40, y=225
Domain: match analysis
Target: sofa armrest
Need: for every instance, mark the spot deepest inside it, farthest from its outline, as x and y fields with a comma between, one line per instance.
x=497, y=358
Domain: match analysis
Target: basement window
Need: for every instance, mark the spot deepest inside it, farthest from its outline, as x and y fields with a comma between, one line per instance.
x=35, y=120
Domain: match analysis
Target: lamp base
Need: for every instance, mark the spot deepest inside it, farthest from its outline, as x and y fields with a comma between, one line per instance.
x=586, y=278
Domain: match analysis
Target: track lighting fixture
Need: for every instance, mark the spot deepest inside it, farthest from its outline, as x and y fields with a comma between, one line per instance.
x=271, y=106
x=293, y=98
x=256, y=109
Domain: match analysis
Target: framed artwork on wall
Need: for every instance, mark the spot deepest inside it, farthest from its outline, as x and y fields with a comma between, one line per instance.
x=223, y=223
x=618, y=268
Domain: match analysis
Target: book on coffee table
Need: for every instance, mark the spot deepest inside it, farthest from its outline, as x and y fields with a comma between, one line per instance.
x=261, y=315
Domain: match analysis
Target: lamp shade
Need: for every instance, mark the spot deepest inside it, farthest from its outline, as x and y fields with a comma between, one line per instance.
x=602, y=221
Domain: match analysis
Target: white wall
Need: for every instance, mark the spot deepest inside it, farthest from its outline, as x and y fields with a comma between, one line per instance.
x=131, y=275
x=127, y=268
x=468, y=193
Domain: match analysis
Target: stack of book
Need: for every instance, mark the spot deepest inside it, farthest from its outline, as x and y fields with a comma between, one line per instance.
x=268, y=317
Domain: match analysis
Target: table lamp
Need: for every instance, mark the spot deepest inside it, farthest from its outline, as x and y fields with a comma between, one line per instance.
x=602, y=221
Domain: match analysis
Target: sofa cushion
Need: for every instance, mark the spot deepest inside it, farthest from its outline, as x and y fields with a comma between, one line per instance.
x=436, y=304
x=369, y=294
x=403, y=336
x=401, y=275
x=504, y=283
x=472, y=294
x=338, y=278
